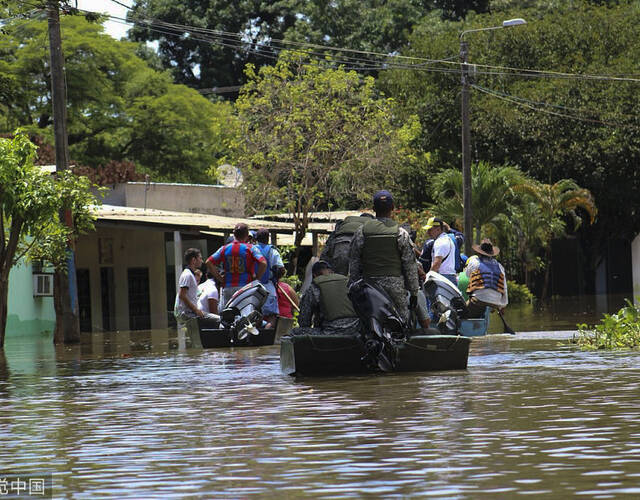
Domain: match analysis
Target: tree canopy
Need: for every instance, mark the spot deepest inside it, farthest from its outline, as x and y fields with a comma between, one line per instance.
x=119, y=108
x=208, y=43
x=31, y=201
x=313, y=138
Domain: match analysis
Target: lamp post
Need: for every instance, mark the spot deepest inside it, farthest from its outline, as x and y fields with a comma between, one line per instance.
x=466, y=130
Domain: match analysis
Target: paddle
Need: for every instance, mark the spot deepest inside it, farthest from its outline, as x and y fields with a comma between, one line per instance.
x=507, y=328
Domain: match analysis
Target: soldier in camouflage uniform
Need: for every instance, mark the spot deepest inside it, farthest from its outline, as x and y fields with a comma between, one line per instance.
x=326, y=306
x=381, y=252
x=336, y=249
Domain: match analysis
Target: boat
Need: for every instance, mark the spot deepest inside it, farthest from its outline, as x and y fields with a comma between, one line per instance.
x=385, y=344
x=328, y=355
x=446, y=299
x=239, y=324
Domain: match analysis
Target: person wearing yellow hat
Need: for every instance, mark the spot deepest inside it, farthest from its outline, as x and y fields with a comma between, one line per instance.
x=443, y=253
x=487, y=280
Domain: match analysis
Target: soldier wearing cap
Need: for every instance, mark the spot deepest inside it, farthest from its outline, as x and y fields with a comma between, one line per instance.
x=325, y=307
x=381, y=252
x=487, y=280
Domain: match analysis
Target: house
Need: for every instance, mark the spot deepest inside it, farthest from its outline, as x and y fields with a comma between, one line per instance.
x=128, y=268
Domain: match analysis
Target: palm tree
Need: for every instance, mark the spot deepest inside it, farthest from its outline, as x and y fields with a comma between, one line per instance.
x=492, y=194
x=554, y=203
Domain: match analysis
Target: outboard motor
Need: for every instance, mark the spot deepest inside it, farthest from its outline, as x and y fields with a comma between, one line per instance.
x=382, y=323
x=446, y=302
x=243, y=313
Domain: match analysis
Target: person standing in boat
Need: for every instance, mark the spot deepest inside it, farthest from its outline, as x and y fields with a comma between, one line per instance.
x=325, y=307
x=288, y=299
x=381, y=252
x=270, y=309
x=208, y=295
x=443, y=253
x=487, y=280
x=186, y=305
x=238, y=260
x=336, y=249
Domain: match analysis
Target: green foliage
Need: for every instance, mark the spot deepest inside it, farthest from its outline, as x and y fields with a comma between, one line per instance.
x=552, y=127
x=313, y=137
x=363, y=25
x=519, y=293
x=119, y=109
x=615, y=331
x=31, y=203
x=492, y=189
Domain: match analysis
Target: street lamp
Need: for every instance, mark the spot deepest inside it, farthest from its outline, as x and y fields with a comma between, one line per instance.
x=466, y=131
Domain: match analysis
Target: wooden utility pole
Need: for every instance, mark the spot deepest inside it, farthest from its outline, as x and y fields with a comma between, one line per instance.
x=466, y=150
x=65, y=287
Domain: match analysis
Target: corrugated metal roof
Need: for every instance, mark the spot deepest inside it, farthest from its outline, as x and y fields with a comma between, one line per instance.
x=111, y=214
x=313, y=216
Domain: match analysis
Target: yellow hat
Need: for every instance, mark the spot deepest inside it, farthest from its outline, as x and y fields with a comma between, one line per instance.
x=433, y=222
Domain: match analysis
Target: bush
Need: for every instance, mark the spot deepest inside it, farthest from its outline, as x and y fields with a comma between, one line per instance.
x=615, y=331
x=519, y=294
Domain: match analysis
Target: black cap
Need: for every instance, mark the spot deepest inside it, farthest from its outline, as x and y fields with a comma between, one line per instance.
x=320, y=266
x=382, y=200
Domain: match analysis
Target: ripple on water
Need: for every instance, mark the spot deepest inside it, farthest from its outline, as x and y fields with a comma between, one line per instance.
x=529, y=417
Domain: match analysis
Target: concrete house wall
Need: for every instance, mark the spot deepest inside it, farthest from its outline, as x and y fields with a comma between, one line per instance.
x=27, y=315
x=194, y=198
x=122, y=249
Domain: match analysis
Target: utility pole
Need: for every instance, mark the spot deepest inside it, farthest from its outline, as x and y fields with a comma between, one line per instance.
x=466, y=149
x=68, y=326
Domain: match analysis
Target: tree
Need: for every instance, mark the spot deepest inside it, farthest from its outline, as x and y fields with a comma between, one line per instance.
x=30, y=203
x=314, y=138
x=555, y=201
x=119, y=109
x=208, y=43
x=552, y=126
x=492, y=194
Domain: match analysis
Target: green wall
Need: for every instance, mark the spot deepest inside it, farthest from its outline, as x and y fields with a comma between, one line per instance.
x=27, y=315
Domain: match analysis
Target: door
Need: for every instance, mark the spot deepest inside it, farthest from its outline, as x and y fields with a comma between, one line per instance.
x=84, y=299
x=108, y=299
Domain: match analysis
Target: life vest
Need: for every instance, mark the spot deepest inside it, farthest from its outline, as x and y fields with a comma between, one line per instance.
x=380, y=254
x=334, y=300
x=265, y=250
x=487, y=275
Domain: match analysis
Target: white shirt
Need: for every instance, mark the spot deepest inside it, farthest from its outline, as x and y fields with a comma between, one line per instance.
x=444, y=247
x=187, y=280
x=208, y=291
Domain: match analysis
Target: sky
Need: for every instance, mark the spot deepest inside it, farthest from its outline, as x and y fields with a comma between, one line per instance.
x=116, y=29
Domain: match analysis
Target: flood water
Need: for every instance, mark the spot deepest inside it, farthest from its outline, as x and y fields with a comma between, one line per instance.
x=132, y=415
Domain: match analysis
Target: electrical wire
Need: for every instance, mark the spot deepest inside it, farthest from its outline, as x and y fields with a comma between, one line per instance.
x=501, y=69
x=531, y=105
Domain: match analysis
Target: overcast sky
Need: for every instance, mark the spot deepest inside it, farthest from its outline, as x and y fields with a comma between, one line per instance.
x=115, y=29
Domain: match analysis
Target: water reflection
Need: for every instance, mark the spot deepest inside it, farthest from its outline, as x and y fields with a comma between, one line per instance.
x=562, y=313
x=134, y=416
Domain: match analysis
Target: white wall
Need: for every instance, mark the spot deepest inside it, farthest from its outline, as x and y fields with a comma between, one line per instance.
x=195, y=198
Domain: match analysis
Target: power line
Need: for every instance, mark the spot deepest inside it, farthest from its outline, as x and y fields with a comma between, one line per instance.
x=518, y=101
x=519, y=71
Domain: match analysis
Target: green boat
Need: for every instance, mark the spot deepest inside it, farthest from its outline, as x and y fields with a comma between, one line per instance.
x=328, y=355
